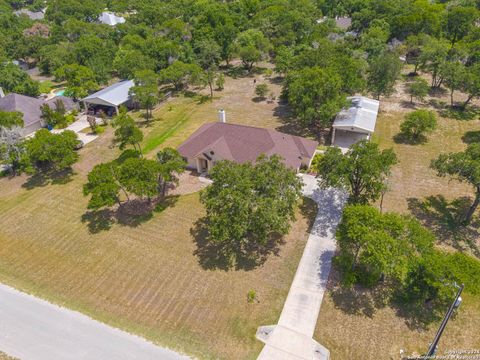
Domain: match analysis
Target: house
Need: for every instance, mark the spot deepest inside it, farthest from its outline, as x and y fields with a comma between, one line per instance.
x=33, y=15
x=355, y=123
x=342, y=22
x=217, y=141
x=111, y=98
x=109, y=18
x=30, y=107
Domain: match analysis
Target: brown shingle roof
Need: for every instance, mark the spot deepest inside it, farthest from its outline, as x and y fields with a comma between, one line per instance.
x=239, y=143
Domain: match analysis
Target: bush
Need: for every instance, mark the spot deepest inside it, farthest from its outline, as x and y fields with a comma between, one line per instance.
x=418, y=89
x=417, y=124
x=261, y=90
x=251, y=296
x=316, y=159
x=99, y=130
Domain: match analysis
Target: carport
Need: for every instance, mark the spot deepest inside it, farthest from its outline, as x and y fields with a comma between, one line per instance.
x=355, y=123
x=110, y=98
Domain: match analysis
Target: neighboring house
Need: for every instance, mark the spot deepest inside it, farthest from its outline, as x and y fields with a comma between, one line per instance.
x=34, y=15
x=109, y=18
x=355, y=123
x=213, y=142
x=30, y=108
x=341, y=22
x=109, y=99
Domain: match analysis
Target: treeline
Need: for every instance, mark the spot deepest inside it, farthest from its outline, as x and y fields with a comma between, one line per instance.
x=185, y=41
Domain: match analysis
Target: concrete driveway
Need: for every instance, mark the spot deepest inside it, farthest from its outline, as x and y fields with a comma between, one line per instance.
x=33, y=329
x=77, y=127
x=292, y=338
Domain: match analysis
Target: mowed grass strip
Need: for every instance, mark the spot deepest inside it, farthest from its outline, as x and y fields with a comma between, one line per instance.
x=145, y=279
x=177, y=118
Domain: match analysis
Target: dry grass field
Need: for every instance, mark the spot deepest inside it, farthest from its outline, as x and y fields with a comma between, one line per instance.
x=153, y=276
x=351, y=324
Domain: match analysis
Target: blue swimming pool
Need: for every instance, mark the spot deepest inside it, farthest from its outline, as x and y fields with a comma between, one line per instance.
x=59, y=92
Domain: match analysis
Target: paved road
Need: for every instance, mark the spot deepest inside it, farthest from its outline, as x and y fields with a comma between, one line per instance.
x=33, y=329
x=292, y=337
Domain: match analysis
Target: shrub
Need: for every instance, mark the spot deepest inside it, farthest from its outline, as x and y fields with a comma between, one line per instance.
x=251, y=296
x=418, y=89
x=417, y=124
x=261, y=90
x=220, y=82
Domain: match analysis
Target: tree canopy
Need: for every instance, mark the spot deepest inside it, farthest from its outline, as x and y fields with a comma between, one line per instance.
x=247, y=203
x=363, y=170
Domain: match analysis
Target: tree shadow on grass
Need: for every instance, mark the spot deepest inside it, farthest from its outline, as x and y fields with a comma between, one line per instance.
x=48, y=178
x=417, y=317
x=361, y=301
x=459, y=113
x=290, y=124
x=227, y=256
x=444, y=218
x=131, y=213
x=471, y=137
x=357, y=300
x=402, y=138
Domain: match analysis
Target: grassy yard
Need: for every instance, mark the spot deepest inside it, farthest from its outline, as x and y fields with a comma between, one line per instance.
x=179, y=117
x=351, y=324
x=153, y=276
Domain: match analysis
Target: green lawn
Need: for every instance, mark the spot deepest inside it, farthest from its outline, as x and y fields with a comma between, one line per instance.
x=154, y=276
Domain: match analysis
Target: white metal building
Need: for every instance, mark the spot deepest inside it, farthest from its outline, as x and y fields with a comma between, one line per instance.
x=109, y=18
x=112, y=96
x=355, y=123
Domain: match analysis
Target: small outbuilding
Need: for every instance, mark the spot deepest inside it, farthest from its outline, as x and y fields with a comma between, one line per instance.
x=218, y=141
x=109, y=99
x=109, y=18
x=356, y=122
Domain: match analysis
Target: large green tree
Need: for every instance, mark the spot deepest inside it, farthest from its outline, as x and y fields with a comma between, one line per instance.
x=145, y=90
x=80, y=80
x=9, y=119
x=51, y=152
x=374, y=245
x=180, y=74
x=383, y=72
x=362, y=171
x=126, y=131
x=251, y=47
x=315, y=95
x=418, y=123
x=247, y=203
x=171, y=165
x=465, y=167
x=14, y=79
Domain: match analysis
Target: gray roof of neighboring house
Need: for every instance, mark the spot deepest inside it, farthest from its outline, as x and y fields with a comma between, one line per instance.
x=67, y=102
x=34, y=15
x=30, y=106
x=343, y=22
x=239, y=143
x=114, y=95
x=361, y=115
x=109, y=18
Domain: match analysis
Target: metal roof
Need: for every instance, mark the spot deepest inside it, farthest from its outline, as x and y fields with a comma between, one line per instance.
x=111, y=19
x=361, y=115
x=113, y=95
